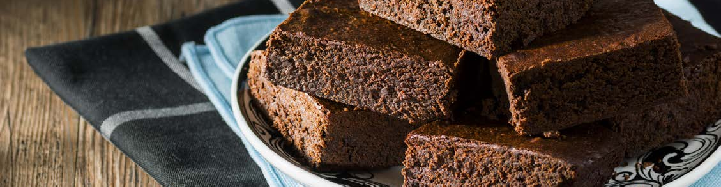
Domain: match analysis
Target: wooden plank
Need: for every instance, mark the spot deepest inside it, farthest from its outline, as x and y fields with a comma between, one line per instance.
x=5, y=146
x=43, y=142
x=35, y=121
x=123, y=15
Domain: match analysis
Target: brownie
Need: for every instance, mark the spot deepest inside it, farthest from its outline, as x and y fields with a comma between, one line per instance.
x=331, y=49
x=480, y=152
x=328, y=135
x=685, y=117
x=489, y=27
x=623, y=55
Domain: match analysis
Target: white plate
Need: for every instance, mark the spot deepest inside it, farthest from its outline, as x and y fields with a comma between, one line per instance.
x=697, y=156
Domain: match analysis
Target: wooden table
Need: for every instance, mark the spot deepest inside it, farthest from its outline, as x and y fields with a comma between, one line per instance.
x=43, y=142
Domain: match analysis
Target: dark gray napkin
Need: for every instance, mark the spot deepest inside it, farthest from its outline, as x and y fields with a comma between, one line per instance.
x=133, y=89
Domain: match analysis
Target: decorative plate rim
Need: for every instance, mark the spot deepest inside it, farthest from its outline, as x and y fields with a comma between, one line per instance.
x=699, y=171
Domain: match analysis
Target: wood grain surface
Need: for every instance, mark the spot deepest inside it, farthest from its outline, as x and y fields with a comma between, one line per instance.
x=43, y=142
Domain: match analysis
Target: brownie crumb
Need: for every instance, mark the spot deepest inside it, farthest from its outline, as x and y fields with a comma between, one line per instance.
x=552, y=134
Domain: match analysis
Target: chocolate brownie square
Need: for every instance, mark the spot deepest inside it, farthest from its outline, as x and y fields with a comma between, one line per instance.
x=331, y=49
x=481, y=152
x=488, y=27
x=328, y=135
x=685, y=117
x=623, y=55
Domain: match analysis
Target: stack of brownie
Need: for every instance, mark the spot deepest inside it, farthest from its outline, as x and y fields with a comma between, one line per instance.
x=463, y=92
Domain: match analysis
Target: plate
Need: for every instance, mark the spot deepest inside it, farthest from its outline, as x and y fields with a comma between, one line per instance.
x=685, y=161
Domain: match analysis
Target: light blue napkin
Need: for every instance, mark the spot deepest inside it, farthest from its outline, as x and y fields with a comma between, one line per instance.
x=213, y=67
x=713, y=178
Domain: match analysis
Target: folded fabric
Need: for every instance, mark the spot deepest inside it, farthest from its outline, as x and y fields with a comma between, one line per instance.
x=213, y=67
x=134, y=90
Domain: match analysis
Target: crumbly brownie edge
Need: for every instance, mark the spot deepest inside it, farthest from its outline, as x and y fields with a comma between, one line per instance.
x=678, y=119
x=685, y=117
x=473, y=164
x=590, y=165
x=406, y=87
x=329, y=136
x=502, y=26
x=476, y=28
x=364, y=140
x=297, y=116
x=533, y=20
x=641, y=79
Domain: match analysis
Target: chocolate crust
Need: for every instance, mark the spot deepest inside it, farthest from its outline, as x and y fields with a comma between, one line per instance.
x=488, y=27
x=685, y=117
x=328, y=136
x=333, y=50
x=488, y=153
x=621, y=57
